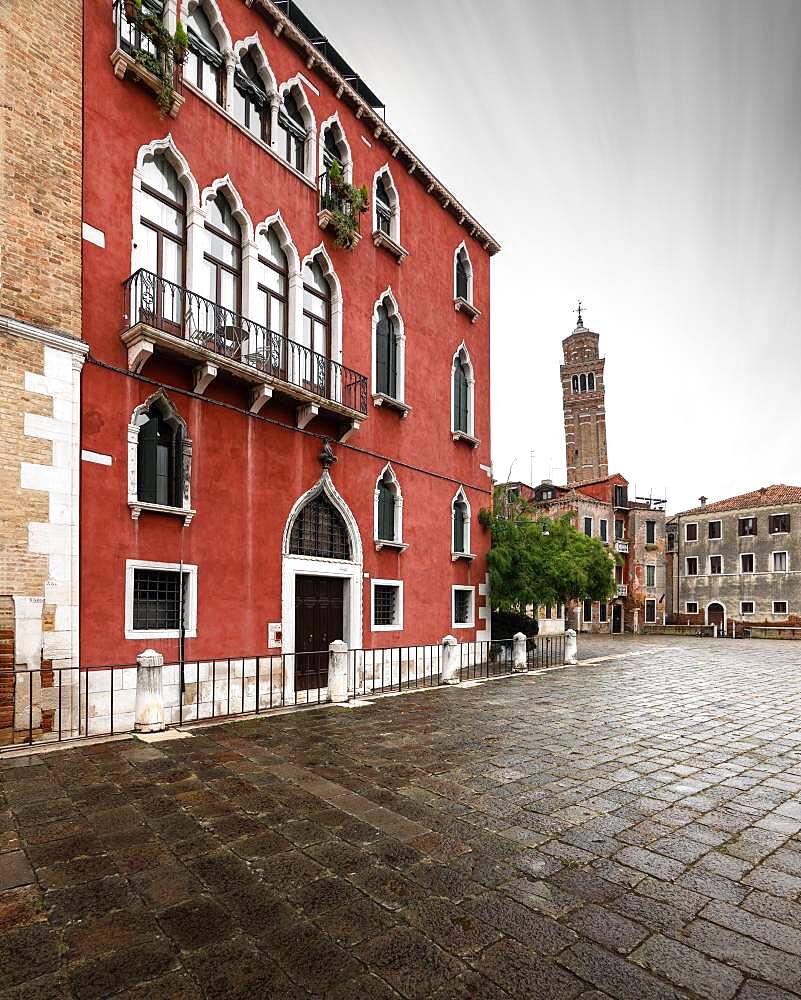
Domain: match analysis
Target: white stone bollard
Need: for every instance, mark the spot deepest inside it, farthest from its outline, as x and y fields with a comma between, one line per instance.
x=450, y=661
x=149, y=693
x=338, y=671
x=519, y=663
x=571, y=647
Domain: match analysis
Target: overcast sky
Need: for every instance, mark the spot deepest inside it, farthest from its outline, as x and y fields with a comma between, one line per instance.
x=646, y=157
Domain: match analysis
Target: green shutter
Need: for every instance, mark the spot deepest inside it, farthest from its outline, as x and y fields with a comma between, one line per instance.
x=458, y=528
x=459, y=398
x=146, y=461
x=178, y=468
x=386, y=513
x=382, y=352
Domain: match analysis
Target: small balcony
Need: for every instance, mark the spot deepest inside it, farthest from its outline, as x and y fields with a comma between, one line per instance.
x=141, y=57
x=622, y=590
x=337, y=212
x=621, y=545
x=163, y=316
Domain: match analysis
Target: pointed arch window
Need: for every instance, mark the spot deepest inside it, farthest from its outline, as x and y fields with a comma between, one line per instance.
x=223, y=255
x=462, y=395
x=251, y=103
x=331, y=152
x=388, y=511
x=163, y=237
x=460, y=518
x=575, y=383
x=291, y=133
x=272, y=283
x=383, y=206
x=316, y=309
x=320, y=531
x=386, y=344
x=583, y=382
x=204, y=60
x=160, y=460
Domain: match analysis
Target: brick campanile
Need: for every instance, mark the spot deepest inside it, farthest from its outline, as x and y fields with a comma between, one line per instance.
x=585, y=415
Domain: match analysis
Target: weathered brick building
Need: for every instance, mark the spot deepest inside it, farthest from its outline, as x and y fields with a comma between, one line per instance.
x=41, y=353
x=736, y=563
x=583, y=397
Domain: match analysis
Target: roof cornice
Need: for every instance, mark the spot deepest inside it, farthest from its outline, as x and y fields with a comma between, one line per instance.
x=380, y=130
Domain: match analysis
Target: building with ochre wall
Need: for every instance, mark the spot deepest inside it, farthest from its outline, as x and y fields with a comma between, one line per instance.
x=292, y=438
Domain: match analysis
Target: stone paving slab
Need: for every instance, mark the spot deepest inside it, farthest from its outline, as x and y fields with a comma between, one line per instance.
x=627, y=829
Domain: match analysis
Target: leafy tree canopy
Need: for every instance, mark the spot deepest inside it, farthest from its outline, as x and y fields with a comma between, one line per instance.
x=536, y=561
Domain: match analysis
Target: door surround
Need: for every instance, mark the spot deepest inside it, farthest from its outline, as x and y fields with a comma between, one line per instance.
x=722, y=607
x=350, y=572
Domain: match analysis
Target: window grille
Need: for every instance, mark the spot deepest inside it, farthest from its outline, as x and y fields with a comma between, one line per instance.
x=385, y=605
x=156, y=600
x=462, y=606
x=320, y=530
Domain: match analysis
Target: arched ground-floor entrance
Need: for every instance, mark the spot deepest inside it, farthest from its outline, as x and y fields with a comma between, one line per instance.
x=716, y=615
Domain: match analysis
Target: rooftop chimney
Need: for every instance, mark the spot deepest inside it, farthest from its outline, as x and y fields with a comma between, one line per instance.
x=702, y=501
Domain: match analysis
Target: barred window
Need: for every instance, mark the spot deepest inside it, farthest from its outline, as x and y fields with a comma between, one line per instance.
x=386, y=605
x=463, y=607
x=157, y=600
x=320, y=530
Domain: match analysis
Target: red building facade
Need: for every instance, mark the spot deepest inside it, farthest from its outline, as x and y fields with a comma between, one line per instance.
x=286, y=442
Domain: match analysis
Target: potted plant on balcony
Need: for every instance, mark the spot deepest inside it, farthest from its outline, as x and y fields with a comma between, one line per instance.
x=346, y=208
x=180, y=43
x=133, y=9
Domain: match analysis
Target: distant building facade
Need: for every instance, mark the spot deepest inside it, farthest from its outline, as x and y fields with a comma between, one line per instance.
x=736, y=563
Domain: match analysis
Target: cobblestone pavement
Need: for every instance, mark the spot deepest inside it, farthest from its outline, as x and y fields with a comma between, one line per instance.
x=630, y=829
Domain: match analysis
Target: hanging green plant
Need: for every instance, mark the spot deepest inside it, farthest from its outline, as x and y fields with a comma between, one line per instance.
x=169, y=51
x=346, y=207
x=180, y=43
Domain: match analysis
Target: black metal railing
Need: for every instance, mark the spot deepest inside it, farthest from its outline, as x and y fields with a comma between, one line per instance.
x=396, y=668
x=176, y=310
x=333, y=199
x=545, y=651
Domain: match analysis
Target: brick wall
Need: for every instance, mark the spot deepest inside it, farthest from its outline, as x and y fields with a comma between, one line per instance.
x=40, y=163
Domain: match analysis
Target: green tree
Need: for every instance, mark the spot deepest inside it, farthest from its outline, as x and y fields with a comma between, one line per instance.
x=536, y=561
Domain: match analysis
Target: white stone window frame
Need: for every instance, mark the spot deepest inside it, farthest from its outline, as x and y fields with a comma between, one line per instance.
x=715, y=555
x=784, y=613
x=603, y=534
x=591, y=523
x=470, y=436
x=397, y=542
x=780, y=552
x=295, y=84
x=176, y=421
x=649, y=601
x=753, y=607
x=392, y=243
x=687, y=526
x=337, y=301
x=652, y=567
x=719, y=538
x=725, y=615
x=251, y=44
x=397, y=625
x=472, y=591
x=688, y=605
x=460, y=497
x=466, y=306
x=387, y=298
x=584, y=619
x=190, y=605
x=250, y=294
x=746, y=572
x=687, y=561
x=343, y=146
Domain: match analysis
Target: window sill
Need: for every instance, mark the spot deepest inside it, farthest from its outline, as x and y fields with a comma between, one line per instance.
x=462, y=305
x=383, y=543
x=386, y=628
x=168, y=633
x=241, y=128
x=463, y=625
x=380, y=239
x=474, y=442
x=125, y=65
x=381, y=399
x=137, y=506
x=469, y=556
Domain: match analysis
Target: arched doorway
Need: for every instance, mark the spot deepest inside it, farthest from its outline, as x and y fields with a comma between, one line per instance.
x=716, y=615
x=321, y=584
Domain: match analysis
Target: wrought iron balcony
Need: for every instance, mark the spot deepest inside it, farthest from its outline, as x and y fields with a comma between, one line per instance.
x=160, y=314
x=622, y=590
x=621, y=545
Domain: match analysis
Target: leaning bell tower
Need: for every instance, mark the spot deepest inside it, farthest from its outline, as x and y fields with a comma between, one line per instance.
x=583, y=399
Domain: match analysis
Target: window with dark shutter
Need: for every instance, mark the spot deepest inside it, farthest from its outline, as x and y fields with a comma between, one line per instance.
x=386, y=512
x=386, y=354
x=779, y=524
x=159, y=460
x=650, y=532
x=462, y=278
x=383, y=206
x=459, y=517
x=460, y=397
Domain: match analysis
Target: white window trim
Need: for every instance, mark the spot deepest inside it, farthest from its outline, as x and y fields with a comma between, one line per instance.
x=469, y=268
x=461, y=497
x=650, y=586
x=780, y=552
x=397, y=542
x=394, y=206
x=387, y=298
x=716, y=521
x=190, y=607
x=472, y=622
x=174, y=418
x=584, y=619
x=605, y=521
x=779, y=513
x=346, y=160
x=784, y=613
x=688, y=525
x=687, y=566
x=715, y=555
x=266, y=75
x=471, y=395
x=753, y=607
x=216, y=23
x=687, y=610
x=398, y=626
x=745, y=572
x=307, y=114
x=649, y=600
x=294, y=279
x=592, y=525
x=337, y=302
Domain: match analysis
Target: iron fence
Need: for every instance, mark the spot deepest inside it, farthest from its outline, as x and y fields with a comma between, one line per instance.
x=174, y=309
x=545, y=651
x=398, y=668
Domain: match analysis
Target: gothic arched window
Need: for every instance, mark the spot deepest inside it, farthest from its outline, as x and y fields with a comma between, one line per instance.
x=320, y=531
x=461, y=524
x=251, y=103
x=292, y=133
x=160, y=461
x=583, y=383
x=464, y=276
x=204, y=60
x=163, y=237
x=223, y=256
x=462, y=394
x=575, y=383
x=386, y=345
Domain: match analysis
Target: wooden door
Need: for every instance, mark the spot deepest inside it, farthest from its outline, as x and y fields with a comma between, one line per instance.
x=319, y=621
x=617, y=618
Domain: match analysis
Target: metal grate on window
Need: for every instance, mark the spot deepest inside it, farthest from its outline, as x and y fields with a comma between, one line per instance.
x=320, y=530
x=385, y=605
x=462, y=606
x=156, y=600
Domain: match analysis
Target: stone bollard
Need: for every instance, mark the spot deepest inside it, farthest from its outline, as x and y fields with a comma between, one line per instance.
x=149, y=693
x=450, y=660
x=519, y=663
x=571, y=647
x=338, y=672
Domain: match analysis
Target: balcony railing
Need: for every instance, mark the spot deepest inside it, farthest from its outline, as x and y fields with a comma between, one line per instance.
x=622, y=590
x=173, y=309
x=137, y=54
x=621, y=545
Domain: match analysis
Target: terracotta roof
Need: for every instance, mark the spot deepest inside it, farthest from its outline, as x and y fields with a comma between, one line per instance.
x=768, y=496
